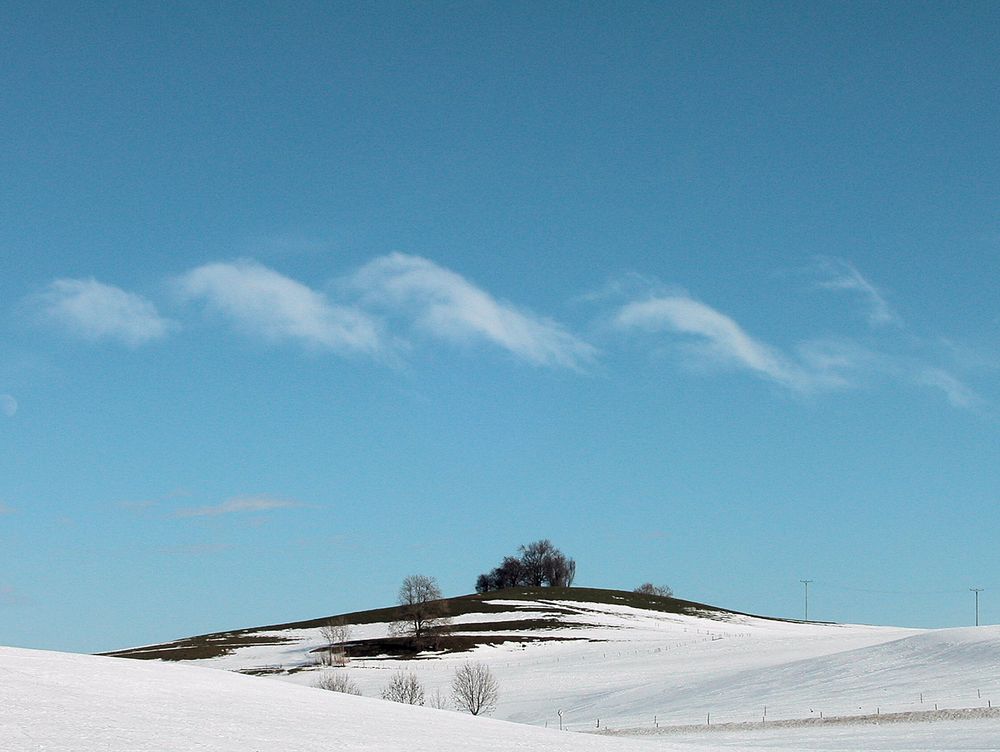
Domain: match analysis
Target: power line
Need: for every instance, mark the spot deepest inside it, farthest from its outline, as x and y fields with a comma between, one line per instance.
x=873, y=591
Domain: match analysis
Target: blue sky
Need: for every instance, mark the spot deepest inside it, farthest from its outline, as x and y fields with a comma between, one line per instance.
x=296, y=301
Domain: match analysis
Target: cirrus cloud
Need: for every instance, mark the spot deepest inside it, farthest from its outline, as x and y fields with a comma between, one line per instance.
x=446, y=305
x=840, y=274
x=717, y=337
x=263, y=302
x=8, y=405
x=97, y=311
x=239, y=504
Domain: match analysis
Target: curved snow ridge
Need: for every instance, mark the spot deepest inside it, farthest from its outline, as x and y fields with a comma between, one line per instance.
x=61, y=702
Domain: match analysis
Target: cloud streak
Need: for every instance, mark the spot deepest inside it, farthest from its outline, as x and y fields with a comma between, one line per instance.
x=262, y=302
x=8, y=405
x=239, y=504
x=716, y=338
x=957, y=393
x=843, y=275
x=445, y=305
x=96, y=311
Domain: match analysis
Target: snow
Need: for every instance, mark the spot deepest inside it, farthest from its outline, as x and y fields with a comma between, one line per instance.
x=59, y=702
x=652, y=678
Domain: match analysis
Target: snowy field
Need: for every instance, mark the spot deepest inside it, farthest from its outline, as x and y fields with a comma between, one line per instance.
x=634, y=668
x=653, y=680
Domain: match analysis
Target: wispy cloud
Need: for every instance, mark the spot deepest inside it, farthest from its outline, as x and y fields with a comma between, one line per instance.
x=197, y=549
x=446, y=305
x=262, y=302
x=8, y=405
x=96, y=311
x=957, y=393
x=717, y=337
x=239, y=504
x=840, y=274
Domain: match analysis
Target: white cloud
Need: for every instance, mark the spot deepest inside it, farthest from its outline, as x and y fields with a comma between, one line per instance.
x=719, y=338
x=958, y=394
x=446, y=305
x=843, y=275
x=96, y=311
x=239, y=504
x=265, y=303
x=8, y=405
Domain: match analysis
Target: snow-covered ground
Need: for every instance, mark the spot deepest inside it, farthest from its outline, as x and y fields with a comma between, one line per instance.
x=58, y=702
x=654, y=679
x=633, y=668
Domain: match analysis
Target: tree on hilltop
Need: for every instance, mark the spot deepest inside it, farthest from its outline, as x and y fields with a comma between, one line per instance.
x=648, y=588
x=539, y=564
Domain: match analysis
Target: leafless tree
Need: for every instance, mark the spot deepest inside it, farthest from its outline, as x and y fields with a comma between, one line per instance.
x=648, y=588
x=405, y=688
x=336, y=633
x=337, y=681
x=422, y=611
x=474, y=688
x=438, y=700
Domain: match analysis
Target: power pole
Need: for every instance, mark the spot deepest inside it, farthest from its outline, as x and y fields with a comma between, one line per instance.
x=806, y=583
x=977, y=591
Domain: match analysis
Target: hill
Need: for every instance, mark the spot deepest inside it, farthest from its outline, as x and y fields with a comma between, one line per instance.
x=482, y=619
x=594, y=660
x=60, y=702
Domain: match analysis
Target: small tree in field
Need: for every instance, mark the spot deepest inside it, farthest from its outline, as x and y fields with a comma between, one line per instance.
x=474, y=688
x=404, y=688
x=438, y=700
x=422, y=611
x=648, y=588
x=336, y=633
x=335, y=681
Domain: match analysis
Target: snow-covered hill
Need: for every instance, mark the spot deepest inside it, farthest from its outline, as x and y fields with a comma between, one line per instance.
x=605, y=661
x=58, y=702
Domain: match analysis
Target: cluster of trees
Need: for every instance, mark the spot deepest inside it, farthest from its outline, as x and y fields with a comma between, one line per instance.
x=474, y=689
x=648, y=588
x=539, y=564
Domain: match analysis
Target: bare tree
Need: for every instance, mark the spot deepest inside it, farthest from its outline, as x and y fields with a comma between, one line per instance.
x=405, y=688
x=648, y=588
x=422, y=611
x=474, y=688
x=438, y=700
x=336, y=633
x=336, y=681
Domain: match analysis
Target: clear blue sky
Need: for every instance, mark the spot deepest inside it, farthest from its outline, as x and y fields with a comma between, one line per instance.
x=298, y=299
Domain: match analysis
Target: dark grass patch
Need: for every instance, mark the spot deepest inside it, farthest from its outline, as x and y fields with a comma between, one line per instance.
x=540, y=598
x=203, y=646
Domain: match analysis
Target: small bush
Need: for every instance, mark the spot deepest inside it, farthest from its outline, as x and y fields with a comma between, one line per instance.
x=337, y=681
x=404, y=688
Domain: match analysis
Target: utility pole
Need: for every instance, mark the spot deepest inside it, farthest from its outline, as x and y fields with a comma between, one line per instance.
x=977, y=591
x=806, y=583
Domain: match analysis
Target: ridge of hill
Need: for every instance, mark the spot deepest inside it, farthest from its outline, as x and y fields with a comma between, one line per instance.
x=548, y=606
